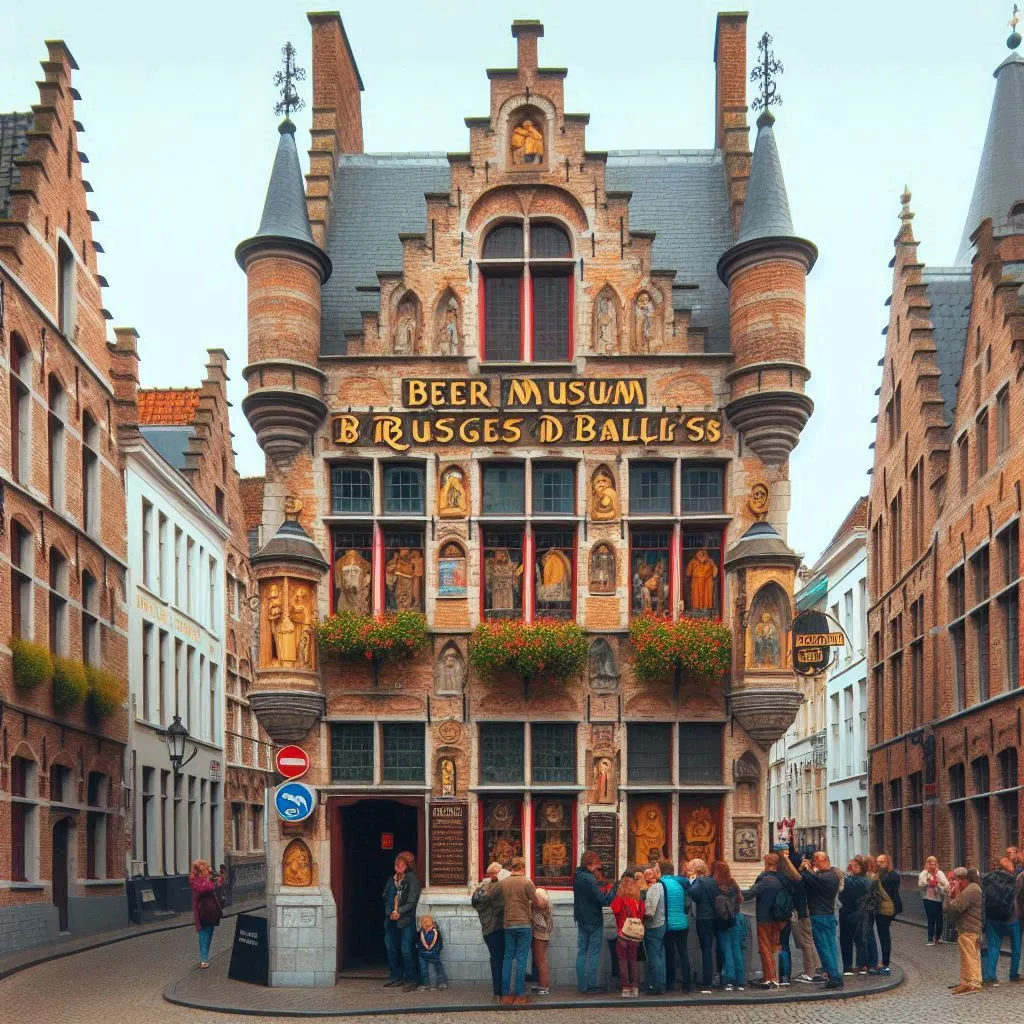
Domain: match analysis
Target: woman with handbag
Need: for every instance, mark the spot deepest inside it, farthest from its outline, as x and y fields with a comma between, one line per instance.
x=892, y=907
x=629, y=924
x=206, y=912
x=726, y=902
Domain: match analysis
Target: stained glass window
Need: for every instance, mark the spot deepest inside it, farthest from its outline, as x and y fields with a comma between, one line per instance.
x=404, y=754
x=649, y=752
x=700, y=752
x=553, y=752
x=353, y=570
x=649, y=571
x=403, y=490
x=702, y=488
x=403, y=570
x=503, y=574
x=650, y=488
x=501, y=753
x=554, y=572
x=351, y=489
x=502, y=819
x=702, y=572
x=352, y=752
x=553, y=846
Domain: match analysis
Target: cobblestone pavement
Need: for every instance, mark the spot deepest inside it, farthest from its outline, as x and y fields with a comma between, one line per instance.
x=122, y=984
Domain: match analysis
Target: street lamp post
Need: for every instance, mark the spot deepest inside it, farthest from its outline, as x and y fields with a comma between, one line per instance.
x=176, y=737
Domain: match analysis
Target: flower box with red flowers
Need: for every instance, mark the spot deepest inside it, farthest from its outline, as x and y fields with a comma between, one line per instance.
x=698, y=649
x=545, y=648
x=377, y=638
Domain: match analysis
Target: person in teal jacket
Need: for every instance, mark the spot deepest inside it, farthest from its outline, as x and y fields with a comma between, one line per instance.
x=678, y=926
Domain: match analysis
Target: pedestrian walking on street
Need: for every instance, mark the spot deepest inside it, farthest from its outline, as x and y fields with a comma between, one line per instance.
x=964, y=900
x=773, y=910
x=429, y=943
x=401, y=894
x=1001, y=920
x=933, y=885
x=891, y=908
x=628, y=910
x=520, y=897
x=543, y=926
x=726, y=902
x=677, y=926
x=490, y=908
x=206, y=911
x=655, y=926
x=588, y=903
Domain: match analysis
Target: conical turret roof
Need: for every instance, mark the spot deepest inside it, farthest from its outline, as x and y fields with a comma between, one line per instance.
x=1000, y=182
x=766, y=207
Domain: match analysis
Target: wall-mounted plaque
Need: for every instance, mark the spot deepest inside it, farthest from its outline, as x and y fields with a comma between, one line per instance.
x=602, y=831
x=449, y=843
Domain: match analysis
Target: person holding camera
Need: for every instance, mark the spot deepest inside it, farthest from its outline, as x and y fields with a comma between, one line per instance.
x=773, y=909
x=822, y=883
x=964, y=899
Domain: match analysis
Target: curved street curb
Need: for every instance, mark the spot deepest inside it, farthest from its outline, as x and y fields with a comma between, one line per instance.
x=816, y=996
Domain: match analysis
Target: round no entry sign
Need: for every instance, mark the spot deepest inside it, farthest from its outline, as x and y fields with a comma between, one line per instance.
x=292, y=762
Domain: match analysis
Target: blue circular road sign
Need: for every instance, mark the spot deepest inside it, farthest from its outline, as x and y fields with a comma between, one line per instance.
x=295, y=801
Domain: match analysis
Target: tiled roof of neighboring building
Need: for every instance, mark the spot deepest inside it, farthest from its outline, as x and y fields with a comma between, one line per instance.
x=13, y=141
x=168, y=407
x=856, y=519
x=949, y=291
x=680, y=195
x=251, y=488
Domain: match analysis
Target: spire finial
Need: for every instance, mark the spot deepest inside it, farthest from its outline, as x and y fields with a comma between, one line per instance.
x=906, y=214
x=765, y=75
x=1014, y=39
x=285, y=80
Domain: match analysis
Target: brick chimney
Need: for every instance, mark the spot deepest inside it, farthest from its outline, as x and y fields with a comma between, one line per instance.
x=731, y=132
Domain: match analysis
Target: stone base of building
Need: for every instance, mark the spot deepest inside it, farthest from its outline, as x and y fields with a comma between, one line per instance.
x=303, y=937
x=37, y=924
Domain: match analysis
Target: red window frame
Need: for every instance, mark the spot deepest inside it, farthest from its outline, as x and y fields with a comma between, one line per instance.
x=720, y=579
x=564, y=882
x=517, y=799
x=568, y=527
x=670, y=549
x=526, y=584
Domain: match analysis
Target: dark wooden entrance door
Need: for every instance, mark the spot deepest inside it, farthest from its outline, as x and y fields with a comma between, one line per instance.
x=59, y=870
x=372, y=832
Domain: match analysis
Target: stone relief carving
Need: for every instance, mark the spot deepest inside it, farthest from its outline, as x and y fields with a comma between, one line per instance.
x=603, y=570
x=406, y=337
x=297, y=864
x=603, y=781
x=604, y=498
x=527, y=143
x=745, y=843
x=606, y=323
x=352, y=583
x=453, y=493
x=700, y=832
x=449, y=342
x=449, y=731
x=602, y=667
x=758, y=502
x=288, y=621
x=450, y=670
x=648, y=829
x=446, y=774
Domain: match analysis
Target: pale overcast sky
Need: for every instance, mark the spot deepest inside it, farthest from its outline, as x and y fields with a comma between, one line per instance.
x=180, y=133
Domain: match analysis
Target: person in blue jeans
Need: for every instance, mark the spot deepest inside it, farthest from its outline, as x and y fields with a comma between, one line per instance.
x=728, y=932
x=821, y=882
x=401, y=894
x=519, y=895
x=1001, y=921
x=655, y=926
x=588, y=903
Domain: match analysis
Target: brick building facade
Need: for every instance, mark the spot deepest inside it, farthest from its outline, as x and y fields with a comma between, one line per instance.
x=524, y=381
x=946, y=707
x=62, y=556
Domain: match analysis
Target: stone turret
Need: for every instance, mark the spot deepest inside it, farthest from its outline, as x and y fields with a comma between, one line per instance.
x=765, y=271
x=285, y=269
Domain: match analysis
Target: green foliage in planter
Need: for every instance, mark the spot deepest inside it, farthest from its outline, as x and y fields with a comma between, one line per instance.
x=548, y=648
x=700, y=648
x=378, y=638
x=69, y=685
x=107, y=691
x=33, y=664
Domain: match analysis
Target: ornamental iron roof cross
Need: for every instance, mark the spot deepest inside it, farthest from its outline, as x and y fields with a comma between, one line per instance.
x=1014, y=40
x=765, y=74
x=285, y=80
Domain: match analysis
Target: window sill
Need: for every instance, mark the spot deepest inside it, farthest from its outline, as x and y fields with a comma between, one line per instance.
x=99, y=883
x=500, y=365
x=336, y=788
x=25, y=887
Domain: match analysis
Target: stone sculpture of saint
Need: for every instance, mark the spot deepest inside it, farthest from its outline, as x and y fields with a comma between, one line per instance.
x=644, y=322
x=352, y=580
x=302, y=618
x=601, y=667
x=766, y=642
x=452, y=671
x=602, y=569
x=502, y=579
x=606, y=325
x=447, y=777
x=527, y=144
x=454, y=501
x=702, y=572
x=282, y=629
x=403, y=576
x=648, y=828
x=604, y=500
x=448, y=341
x=603, y=781
x=405, y=336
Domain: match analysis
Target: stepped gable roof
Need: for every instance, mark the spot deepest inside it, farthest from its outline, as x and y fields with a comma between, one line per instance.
x=13, y=141
x=1000, y=182
x=766, y=206
x=680, y=195
x=949, y=292
x=167, y=407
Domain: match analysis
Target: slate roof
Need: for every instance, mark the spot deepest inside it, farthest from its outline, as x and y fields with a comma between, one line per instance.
x=1000, y=181
x=679, y=194
x=284, y=210
x=167, y=406
x=13, y=142
x=170, y=443
x=949, y=291
x=766, y=206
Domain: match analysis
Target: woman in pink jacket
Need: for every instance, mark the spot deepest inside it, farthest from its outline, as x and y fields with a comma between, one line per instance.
x=206, y=912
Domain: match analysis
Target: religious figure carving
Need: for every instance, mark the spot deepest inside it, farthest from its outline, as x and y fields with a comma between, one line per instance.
x=282, y=629
x=604, y=499
x=701, y=572
x=648, y=829
x=606, y=334
x=527, y=143
x=758, y=501
x=403, y=576
x=405, y=333
x=766, y=642
x=744, y=842
x=451, y=571
x=601, y=665
x=448, y=343
x=503, y=580
x=451, y=671
x=645, y=322
x=297, y=864
x=352, y=582
x=650, y=588
x=603, y=575
x=699, y=832
x=446, y=770
x=554, y=577
x=453, y=494
x=603, y=785
x=301, y=614
x=292, y=507
x=554, y=853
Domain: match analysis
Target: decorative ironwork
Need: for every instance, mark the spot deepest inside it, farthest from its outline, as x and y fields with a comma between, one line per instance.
x=765, y=74
x=1014, y=39
x=285, y=80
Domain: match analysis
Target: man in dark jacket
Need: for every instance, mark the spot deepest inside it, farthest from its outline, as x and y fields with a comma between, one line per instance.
x=401, y=894
x=1001, y=922
x=489, y=905
x=766, y=889
x=588, y=902
x=821, y=883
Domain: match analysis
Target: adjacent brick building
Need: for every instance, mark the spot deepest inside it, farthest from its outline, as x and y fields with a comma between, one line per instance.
x=62, y=538
x=528, y=380
x=944, y=645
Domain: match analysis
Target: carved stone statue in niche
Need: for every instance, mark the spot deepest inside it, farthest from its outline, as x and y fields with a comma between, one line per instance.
x=646, y=323
x=453, y=494
x=282, y=629
x=554, y=577
x=451, y=671
x=448, y=341
x=527, y=143
x=405, y=332
x=648, y=829
x=745, y=845
x=758, y=501
x=602, y=669
x=403, y=577
x=701, y=574
x=352, y=583
x=604, y=499
x=605, y=324
x=604, y=781
x=700, y=832
x=768, y=629
x=301, y=614
x=554, y=853
x=297, y=864
x=766, y=642
x=446, y=773
x=603, y=575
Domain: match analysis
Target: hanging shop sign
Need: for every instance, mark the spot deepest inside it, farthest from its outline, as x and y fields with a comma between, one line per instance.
x=813, y=640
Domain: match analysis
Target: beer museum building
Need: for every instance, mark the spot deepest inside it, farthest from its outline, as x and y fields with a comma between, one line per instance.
x=527, y=411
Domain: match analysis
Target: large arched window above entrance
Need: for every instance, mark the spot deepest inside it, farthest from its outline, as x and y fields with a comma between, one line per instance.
x=526, y=293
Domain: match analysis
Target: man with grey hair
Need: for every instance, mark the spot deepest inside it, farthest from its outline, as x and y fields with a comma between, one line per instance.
x=964, y=900
x=489, y=904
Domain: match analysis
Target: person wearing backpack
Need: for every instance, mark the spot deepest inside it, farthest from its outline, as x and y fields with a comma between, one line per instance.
x=726, y=902
x=891, y=908
x=870, y=907
x=773, y=909
x=702, y=891
x=677, y=925
x=1001, y=922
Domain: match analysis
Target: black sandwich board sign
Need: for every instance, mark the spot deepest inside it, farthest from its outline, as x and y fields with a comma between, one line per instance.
x=250, y=953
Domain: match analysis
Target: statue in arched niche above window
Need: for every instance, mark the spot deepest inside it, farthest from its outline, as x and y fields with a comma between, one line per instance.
x=769, y=628
x=527, y=142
